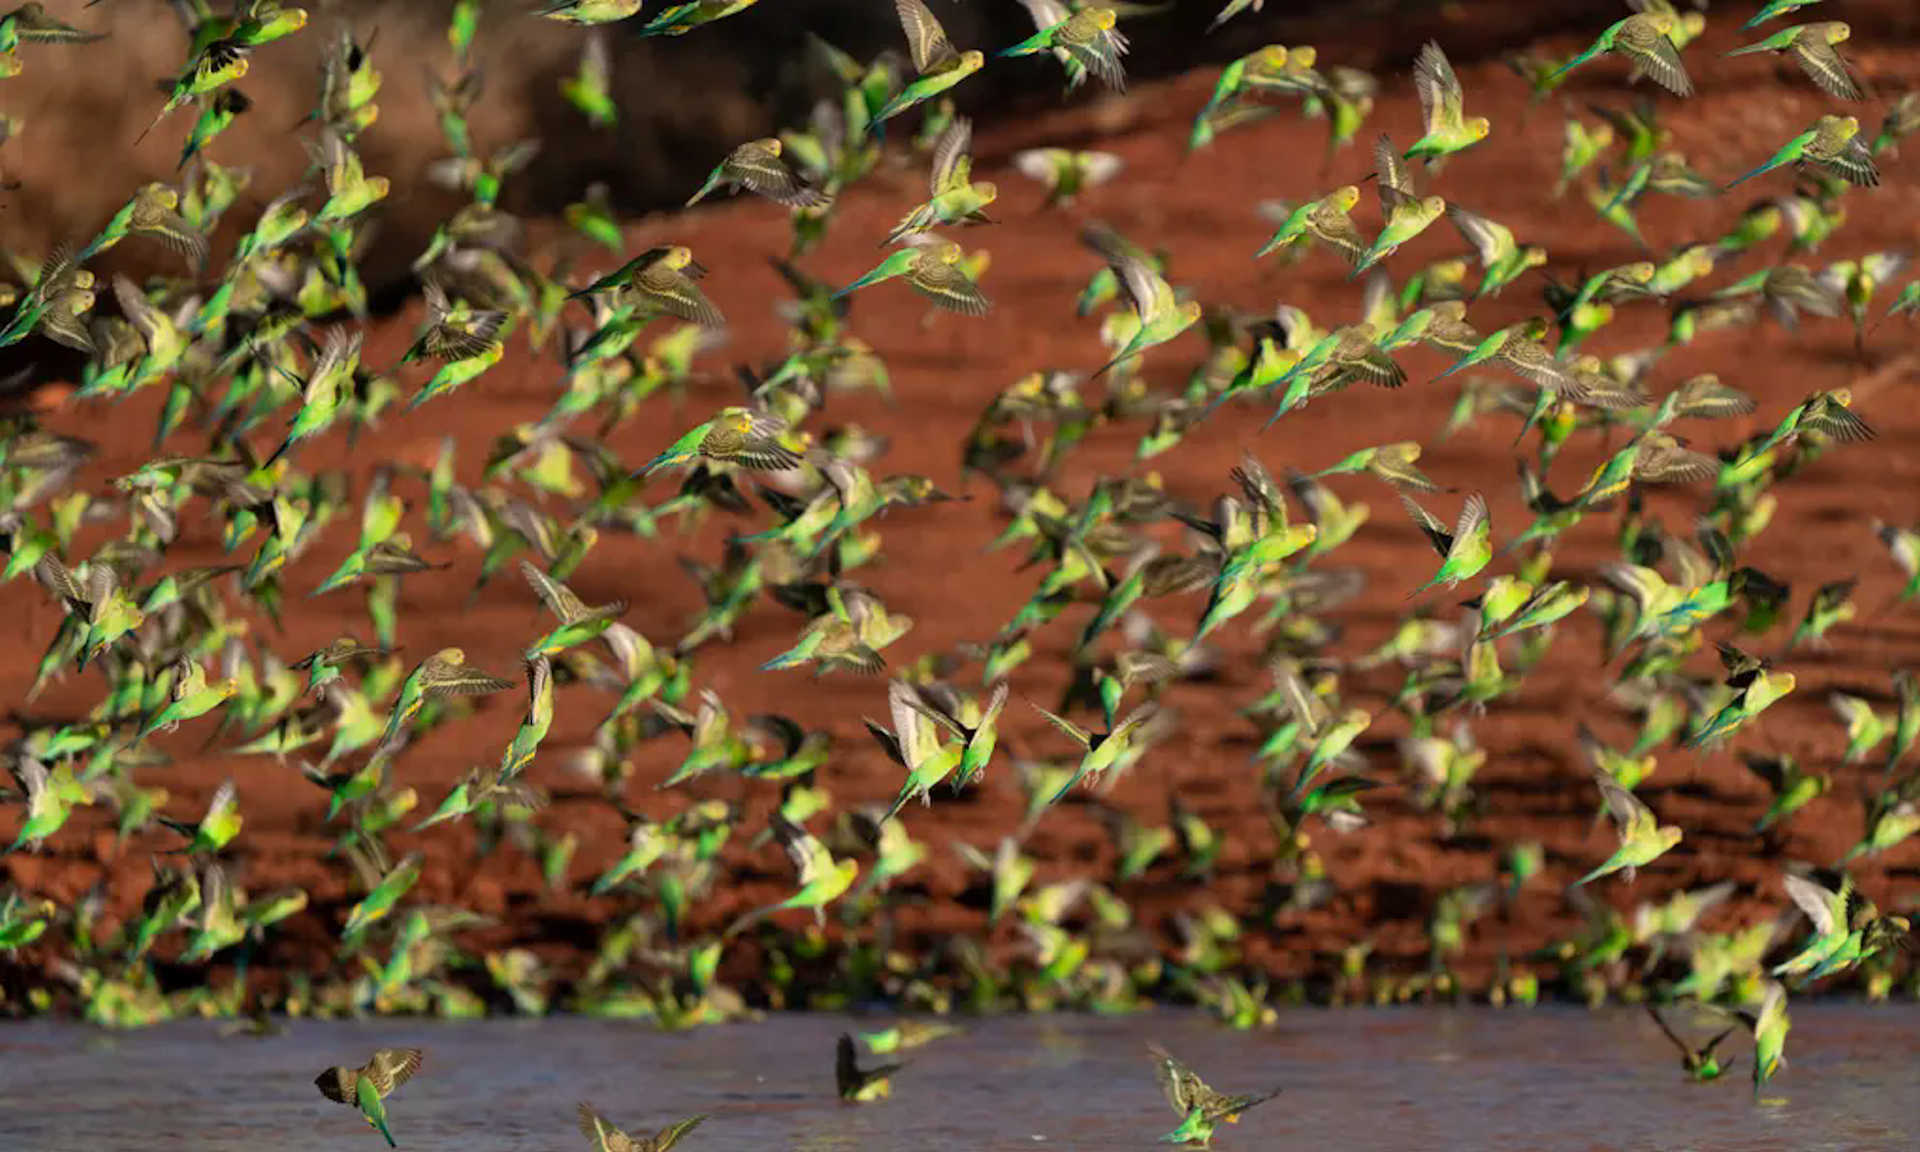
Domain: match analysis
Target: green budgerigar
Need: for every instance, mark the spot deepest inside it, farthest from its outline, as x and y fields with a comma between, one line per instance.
x=1701, y=1063
x=1449, y=128
x=368, y=1086
x=1814, y=48
x=933, y=268
x=1160, y=313
x=1407, y=214
x=1102, y=749
x=822, y=879
x=1643, y=839
x=590, y=11
x=1832, y=145
x=737, y=436
x=1086, y=38
x=1773, y=8
x=955, y=196
x=1644, y=40
x=938, y=64
x=1198, y=1105
x=758, y=167
x=1463, y=551
x=857, y=1085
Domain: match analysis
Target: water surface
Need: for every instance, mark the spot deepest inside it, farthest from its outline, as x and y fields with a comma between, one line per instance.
x=1545, y=1079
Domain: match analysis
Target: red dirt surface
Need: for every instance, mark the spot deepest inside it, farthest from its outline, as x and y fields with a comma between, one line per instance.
x=1201, y=209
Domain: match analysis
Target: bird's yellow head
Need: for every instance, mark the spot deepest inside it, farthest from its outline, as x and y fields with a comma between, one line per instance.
x=1433, y=205
x=240, y=67
x=950, y=253
x=1842, y=397
x=972, y=59
x=1273, y=57
x=1105, y=18
x=450, y=656
x=83, y=278
x=1410, y=450
x=1478, y=127
x=1639, y=272
x=770, y=144
x=1700, y=260
x=1838, y=30
x=677, y=257
x=401, y=540
x=1345, y=197
x=1301, y=59
x=226, y=688
x=1190, y=311
x=987, y=190
x=1662, y=22
x=1533, y=256
x=380, y=186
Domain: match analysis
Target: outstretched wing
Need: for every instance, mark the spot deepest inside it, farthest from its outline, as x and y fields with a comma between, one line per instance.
x=1176, y=1079
x=1626, y=809
x=1435, y=532
x=602, y=1133
x=392, y=1067
x=1816, y=901
x=444, y=678
x=671, y=1134
x=1144, y=287
x=1490, y=239
x=1438, y=89
x=1079, y=735
x=810, y=857
x=952, y=162
x=1473, y=516
x=1396, y=183
x=926, y=40
x=336, y=1084
x=1667, y=1030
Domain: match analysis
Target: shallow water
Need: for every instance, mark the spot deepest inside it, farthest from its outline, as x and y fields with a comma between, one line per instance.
x=1356, y=1081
